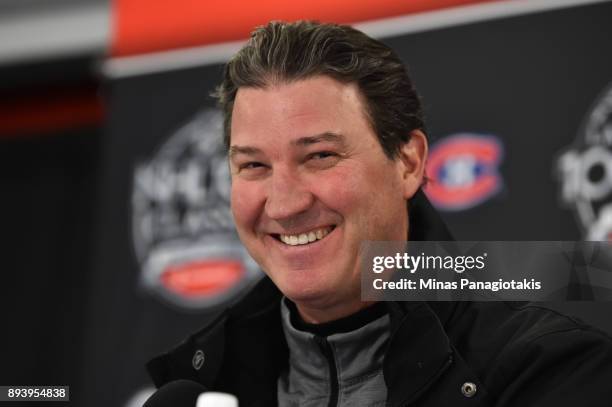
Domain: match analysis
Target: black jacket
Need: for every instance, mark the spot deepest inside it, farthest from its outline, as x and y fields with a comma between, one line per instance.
x=511, y=354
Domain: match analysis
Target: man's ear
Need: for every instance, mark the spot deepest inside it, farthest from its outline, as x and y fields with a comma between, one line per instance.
x=413, y=155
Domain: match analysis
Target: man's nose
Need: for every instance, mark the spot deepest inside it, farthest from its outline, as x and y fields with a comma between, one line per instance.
x=288, y=196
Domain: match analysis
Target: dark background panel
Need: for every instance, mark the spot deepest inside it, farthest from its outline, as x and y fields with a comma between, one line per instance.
x=46, y=216
x=128, y=324
x=528, y=80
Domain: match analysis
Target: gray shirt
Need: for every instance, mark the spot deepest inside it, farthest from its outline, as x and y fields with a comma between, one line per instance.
x=345, y=365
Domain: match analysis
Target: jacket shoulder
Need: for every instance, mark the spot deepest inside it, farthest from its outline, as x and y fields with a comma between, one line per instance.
x=220, y=345
x=187, y=360
x=526, y=353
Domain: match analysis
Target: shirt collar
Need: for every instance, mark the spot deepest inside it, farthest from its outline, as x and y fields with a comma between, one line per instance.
x=357, y=353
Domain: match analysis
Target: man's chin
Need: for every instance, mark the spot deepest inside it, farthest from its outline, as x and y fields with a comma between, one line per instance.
x=302, y=294
x=308, y=295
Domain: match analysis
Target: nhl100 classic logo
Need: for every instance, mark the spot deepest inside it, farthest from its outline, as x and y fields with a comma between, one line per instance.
x=182, y=226
x=585, y=170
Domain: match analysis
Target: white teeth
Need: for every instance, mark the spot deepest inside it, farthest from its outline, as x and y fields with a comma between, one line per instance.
x=305, y=238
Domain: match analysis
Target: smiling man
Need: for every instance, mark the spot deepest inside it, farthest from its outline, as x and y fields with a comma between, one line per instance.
x=310, y=182
x=326, y=149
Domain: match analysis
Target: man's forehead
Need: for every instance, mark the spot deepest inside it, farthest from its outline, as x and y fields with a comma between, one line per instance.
x=319, y=108
x=311, y=95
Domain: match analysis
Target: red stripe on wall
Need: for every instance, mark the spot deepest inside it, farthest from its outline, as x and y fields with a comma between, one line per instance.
x=45, y=113
x=142, y=26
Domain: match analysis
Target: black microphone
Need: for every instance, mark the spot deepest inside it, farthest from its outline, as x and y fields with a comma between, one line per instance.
x=178, y=393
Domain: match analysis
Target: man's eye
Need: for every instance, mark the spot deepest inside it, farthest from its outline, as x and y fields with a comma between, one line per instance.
x=251, y=165
x=321, y=155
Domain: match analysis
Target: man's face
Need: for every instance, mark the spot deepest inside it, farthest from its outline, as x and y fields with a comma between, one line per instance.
x=310, y=182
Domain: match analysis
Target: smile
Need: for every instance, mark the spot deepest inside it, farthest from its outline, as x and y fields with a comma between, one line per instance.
x=305, y=238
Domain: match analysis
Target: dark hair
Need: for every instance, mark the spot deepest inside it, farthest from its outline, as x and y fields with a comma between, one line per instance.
x=287, y=52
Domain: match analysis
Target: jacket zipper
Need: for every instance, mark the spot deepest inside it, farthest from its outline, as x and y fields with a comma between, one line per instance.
x=333, y=371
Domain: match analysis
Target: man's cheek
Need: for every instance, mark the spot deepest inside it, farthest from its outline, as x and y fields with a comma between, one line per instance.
x=340, y=194
x=244, y=204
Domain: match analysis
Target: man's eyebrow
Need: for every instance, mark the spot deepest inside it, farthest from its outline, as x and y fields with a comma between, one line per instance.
x=326, y=136
x=243, y=150
x=302, y=141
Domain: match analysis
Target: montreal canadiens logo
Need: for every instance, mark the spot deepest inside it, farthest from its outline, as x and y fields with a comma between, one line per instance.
x=183, y=232
x=464, y=171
